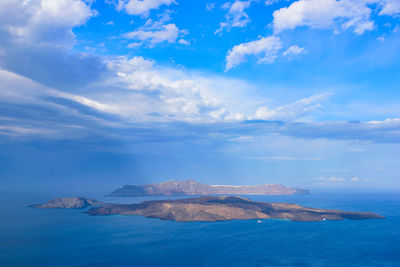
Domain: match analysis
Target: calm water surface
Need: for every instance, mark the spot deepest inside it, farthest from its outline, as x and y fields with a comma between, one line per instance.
x=30, y=237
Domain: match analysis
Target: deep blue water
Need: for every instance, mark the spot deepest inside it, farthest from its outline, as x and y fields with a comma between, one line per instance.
x=30, y=237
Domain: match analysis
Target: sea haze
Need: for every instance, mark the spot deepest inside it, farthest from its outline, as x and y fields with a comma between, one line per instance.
x=63, y=237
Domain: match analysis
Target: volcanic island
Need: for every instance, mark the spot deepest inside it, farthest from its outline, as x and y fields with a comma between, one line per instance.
x=209, y=209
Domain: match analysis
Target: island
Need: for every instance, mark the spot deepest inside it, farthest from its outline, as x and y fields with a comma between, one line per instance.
x=225, y=208
x=68, y=203
x=194, y=188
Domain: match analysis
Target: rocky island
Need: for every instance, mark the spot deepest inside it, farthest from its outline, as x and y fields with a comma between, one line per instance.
x=225, y=208
x=194, y=188
x=68, y=203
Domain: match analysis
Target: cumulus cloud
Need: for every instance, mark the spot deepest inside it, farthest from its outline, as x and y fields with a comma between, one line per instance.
x=155, y=32
x=236, y=16
x=325, y=14
x=171, y=93
x=266, y=49
x=142, y=7
x=43, y=21
x=336, y=15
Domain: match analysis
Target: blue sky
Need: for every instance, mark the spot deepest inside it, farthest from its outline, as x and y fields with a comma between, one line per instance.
x=95, y=94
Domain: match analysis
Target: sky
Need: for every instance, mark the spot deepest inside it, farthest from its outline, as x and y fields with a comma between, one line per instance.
x=99, y=93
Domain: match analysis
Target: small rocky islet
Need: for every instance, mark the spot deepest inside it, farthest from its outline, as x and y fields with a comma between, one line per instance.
x=208, y=209
x=68, y=203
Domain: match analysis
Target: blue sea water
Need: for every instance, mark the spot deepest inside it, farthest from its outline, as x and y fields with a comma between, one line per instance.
x=31, y=237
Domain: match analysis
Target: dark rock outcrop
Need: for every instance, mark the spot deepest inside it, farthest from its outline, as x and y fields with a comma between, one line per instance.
x=226, y=208
x=193, y=188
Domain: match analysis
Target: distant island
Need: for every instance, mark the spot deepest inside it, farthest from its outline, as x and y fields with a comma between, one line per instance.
x=194, y=188
x=225, y=208
x=68, y=203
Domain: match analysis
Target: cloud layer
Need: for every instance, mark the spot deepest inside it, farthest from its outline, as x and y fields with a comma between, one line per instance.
x=131, y=106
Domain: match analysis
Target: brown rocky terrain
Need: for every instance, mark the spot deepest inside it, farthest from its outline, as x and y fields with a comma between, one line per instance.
x=224, y=208
x=194, y=188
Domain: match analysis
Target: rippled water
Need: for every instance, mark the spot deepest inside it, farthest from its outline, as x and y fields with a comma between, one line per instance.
x=30, y=237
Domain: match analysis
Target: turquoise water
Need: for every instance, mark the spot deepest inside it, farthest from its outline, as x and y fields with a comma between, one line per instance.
x=30, y=237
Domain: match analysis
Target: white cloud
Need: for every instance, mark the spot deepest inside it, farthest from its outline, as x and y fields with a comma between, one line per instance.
x=325, y=14
x=356, y=150
x=210, y=6
x=379, y=131
x=166, y=33
x=266, y=47
x=293, y=111
x=390, y=7
x=293, y=50
x=270, y=2
x=183, y=42
x=22, y=92
x=236, y=16
x=155, y=32
x=273, y=2
x=137, y=91
x=142, y=7
x=43, y=21
x=387, y=123
x=134, y=45
x=173, y=94
x=332, y=179
x=287, y=158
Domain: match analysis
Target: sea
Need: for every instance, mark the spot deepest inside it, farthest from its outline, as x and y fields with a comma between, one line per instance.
x=67, y=237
